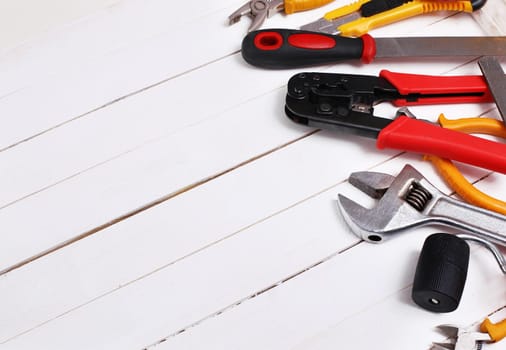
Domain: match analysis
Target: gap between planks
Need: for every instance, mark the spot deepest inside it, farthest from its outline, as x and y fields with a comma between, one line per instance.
x=242, y=300
x=151, y=205
x=256, y=294
x=143, y=89
x=175, y=193
x=116, y=100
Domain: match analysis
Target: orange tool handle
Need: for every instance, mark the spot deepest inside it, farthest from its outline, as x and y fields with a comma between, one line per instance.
x=497, y=331
x=451, y=173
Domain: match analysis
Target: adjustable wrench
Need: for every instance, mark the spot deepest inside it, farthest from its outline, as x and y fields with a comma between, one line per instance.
x=409, y=200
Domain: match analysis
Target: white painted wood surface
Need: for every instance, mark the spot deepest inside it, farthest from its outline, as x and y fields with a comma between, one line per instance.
x=154, y=195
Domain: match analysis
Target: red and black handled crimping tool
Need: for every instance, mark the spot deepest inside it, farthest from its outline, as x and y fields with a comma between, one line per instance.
x=345, y=102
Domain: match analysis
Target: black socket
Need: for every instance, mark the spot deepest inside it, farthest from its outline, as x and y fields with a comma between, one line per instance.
x=441, y=273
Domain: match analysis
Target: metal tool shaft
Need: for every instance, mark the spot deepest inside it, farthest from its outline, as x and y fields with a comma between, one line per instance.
x=482, y=223
x=496, y=81
x=440, y=46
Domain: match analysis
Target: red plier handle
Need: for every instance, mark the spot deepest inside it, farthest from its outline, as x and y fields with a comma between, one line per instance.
x=408, y=134
x=418, y=89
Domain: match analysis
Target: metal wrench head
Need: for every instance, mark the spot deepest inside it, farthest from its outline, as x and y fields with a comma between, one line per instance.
x=401, y=205
x=258, y=10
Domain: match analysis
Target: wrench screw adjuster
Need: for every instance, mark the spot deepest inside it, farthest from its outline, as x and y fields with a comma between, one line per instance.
x=418, y=196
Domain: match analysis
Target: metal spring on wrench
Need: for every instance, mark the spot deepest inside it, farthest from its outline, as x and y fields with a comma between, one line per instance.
x=418, y=196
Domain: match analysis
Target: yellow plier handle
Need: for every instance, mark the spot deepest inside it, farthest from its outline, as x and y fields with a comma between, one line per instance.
x=345, y=10
x=497, y=331
x=413, y=8
x=292, y=6
x=451, y=173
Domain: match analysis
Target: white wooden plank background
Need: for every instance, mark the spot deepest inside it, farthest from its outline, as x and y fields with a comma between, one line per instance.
x=154, y=195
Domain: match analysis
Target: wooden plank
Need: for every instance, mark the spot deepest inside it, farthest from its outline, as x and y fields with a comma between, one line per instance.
x=23, y=20
x=154, y=142
x=72, y=46
x=99, y=285
x=18, y=178
x=134, y=122
x=128, y=183
x=272, y=253
x=84, y=83
x=223, y=206
x=86, y=144
x=231, y=211
x=128, y=125
x=158, y=169
x=333, y=305
x=79, y=75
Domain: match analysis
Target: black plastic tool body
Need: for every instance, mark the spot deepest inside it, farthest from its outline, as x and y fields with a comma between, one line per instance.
x=338, y=101
x=286, y=48
x=374, y=7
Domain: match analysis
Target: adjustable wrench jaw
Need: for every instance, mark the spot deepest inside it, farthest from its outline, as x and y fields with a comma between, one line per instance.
x=378, y=224
x=412, y=201
x=399, y=206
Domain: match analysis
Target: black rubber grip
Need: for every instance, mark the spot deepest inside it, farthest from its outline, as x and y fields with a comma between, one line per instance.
x=441, y=273
x=477, y=4
x=286, y=48
x=374, y=7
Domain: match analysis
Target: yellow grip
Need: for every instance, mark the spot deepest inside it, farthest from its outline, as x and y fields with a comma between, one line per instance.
x=454, y=178
x=413, y=8
x=486, y=126
x=496, y=331
x=292, y=6
x=345, y=10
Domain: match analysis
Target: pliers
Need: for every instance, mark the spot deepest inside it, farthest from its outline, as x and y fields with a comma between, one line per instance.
x=259, y=10
x=466, y=339
x=361, y=16
x=345, y=102
x=451, y=174
x=496, y=81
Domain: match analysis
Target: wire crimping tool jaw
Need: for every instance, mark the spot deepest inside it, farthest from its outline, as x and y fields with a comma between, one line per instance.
x=338, y=101
x=258, y=10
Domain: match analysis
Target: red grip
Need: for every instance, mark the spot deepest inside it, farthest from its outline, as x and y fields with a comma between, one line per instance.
x=447, y=89
x=311, y=41
x=369, y=50
x=418, y=136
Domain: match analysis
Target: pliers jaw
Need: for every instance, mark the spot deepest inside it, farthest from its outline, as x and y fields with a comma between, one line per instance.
x=338, y=101
x=461, y=338
x=258, y=10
